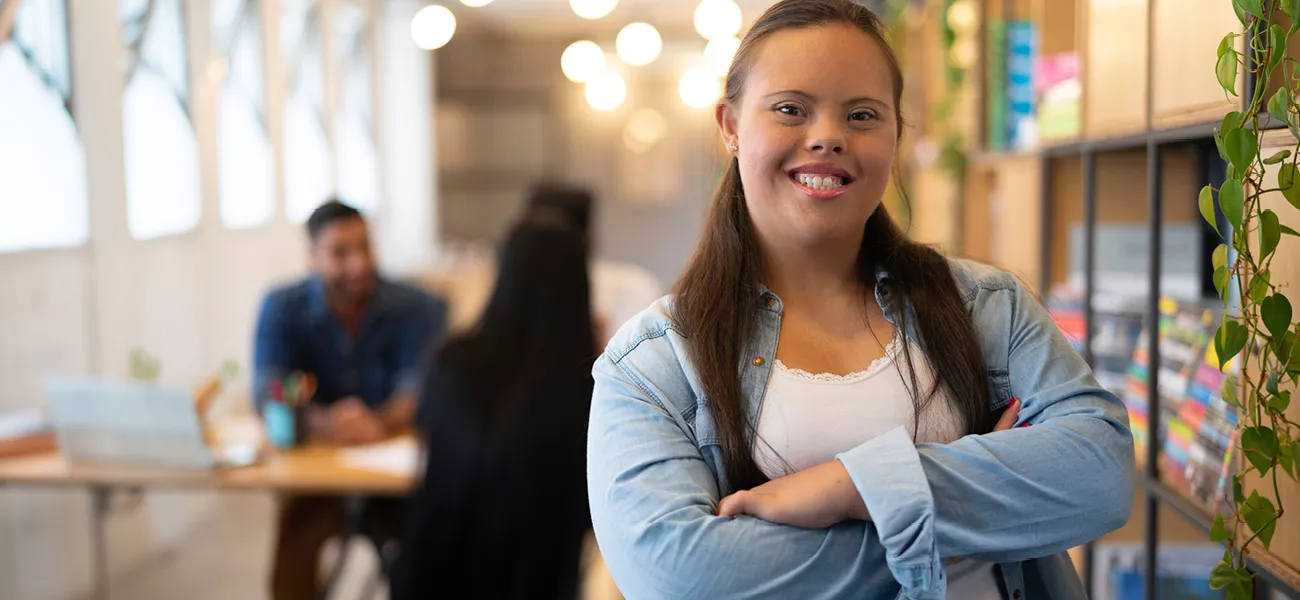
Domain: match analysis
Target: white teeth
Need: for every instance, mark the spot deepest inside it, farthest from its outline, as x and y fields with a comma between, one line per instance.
x=828, y=182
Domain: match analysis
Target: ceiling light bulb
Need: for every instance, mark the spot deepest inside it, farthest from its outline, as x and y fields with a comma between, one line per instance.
x=638, y=44
x=432, y=27
x=582, y=60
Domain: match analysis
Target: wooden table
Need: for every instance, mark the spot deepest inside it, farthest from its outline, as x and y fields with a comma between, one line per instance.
x=316, y=470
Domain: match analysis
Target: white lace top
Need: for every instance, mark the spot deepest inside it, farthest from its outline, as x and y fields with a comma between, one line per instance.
x=807, y=419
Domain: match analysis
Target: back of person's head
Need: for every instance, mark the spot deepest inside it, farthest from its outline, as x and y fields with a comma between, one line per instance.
x=574, y=203
x=535, y=333
x=331, y=212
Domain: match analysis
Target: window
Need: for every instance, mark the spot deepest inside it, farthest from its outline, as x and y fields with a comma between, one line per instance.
x=161, y=156
x=307, y=158
x=42, y=162
x=245, y=163
x=357, y=161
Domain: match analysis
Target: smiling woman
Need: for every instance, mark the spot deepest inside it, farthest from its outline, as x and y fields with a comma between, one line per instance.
x=826, y=408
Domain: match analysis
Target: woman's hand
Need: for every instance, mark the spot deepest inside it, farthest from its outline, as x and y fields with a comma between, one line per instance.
x=818, y=497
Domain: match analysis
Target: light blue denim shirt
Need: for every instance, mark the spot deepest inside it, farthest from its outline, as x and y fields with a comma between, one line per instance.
x=1019, y=498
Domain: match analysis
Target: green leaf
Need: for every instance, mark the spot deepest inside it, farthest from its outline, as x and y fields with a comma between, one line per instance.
x=1206, y=202
x=1220, y=256
x=1286, y=459
x=1278, y=404
x=1292, y=195
x=1278, y=157
x=1277, y=105
x=1270, y=383
x=1261, y=517
x=1288, y=231
x=1237, y=494
x=1230, y=122
x=1292, y=9
x=1259, y=287
x=1295, y=459
x=1226, y=71
x=1242, y=590
x=1250, y=7
x=1229, y=391
x=1286, y=176
x=1277, y=45
x=1218, y=533
x=1241, y=14
x=1230, y=340
x=1222, y=576
x=1232, y=199
x=1276, y=311
x=1221, y=281
x=1270, y=233
x=1242, y=147
x=1226, y=44
x=1260, y=446
x=1282, y=348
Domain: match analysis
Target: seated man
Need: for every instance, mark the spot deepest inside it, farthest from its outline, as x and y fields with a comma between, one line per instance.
x=362, y=337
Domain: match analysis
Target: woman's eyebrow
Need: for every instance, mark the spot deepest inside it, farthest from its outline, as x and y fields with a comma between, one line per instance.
x=809, y=97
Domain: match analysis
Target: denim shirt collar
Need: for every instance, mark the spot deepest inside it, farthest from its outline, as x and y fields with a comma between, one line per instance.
x=382, y=299
x=884, y=292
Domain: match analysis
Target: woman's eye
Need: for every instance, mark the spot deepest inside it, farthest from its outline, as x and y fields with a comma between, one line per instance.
x=793, y=111
x=862, y=115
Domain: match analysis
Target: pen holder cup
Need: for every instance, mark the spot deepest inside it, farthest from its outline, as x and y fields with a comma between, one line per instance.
x=286, y=426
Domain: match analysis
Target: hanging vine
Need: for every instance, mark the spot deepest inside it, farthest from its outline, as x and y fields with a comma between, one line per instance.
x=1258, y=323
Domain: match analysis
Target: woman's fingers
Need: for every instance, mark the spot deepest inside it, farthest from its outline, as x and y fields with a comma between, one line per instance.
x=733, y=505
x=1009, y=416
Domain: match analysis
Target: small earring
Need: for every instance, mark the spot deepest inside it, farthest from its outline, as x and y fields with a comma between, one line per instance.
x=734, y=147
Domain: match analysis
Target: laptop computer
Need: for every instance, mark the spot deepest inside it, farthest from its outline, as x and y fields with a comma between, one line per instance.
x=129, y=423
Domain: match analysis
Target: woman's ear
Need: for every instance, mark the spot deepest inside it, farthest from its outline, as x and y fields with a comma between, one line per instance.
x=726, y=119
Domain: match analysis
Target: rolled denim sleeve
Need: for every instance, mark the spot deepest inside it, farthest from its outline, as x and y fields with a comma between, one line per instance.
x=1010, y=495
x=653, y=505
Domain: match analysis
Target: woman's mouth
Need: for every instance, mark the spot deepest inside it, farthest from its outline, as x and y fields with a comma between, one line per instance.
x=823, y=183
x=820, y=182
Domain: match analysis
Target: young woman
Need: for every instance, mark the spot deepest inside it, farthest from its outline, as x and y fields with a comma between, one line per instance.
x=502, y=511
x=813, y=414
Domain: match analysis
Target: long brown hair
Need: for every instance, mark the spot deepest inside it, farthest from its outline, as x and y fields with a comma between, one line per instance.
x=718, y=292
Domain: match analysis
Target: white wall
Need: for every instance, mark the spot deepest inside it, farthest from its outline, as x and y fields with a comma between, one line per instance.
x=190, y=299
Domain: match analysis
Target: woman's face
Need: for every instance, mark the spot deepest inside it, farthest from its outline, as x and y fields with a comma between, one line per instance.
x=816, y=133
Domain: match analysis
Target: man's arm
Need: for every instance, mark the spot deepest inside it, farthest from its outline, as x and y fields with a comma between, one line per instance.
x=273, y=349
x=425, y=333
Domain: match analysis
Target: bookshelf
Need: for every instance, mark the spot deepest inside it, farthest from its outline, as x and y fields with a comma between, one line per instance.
x=1112, y=172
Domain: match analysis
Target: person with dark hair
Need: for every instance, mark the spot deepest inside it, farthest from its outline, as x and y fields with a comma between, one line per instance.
x=361, y=336
x=619, y=290
x=502, y=510
x=825, y=408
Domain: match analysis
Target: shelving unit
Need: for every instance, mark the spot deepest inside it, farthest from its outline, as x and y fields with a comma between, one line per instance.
x=1150, y=107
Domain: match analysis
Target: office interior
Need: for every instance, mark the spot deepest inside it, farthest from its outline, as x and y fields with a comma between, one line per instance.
x=159, y=160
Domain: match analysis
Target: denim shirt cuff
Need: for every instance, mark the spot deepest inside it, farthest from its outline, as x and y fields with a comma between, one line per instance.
x=887, y=472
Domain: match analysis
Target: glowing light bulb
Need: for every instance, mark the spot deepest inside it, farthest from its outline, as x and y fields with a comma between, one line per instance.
x=606, y=91
x=638, y=44
x=699, y=88
x=718, y=54
x=717, y=19
x=432, y=27
x=592, y=9
x=582, y=60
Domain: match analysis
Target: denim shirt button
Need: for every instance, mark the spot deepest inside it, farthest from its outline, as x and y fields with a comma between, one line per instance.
x=771, y=302
x=1016, y=594
x=758, y=361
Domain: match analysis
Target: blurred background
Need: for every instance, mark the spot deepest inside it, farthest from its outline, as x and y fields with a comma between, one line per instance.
x=159, y=158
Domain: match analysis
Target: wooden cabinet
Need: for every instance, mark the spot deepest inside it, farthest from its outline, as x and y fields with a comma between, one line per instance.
x=1185, y=40
x=1115, y=82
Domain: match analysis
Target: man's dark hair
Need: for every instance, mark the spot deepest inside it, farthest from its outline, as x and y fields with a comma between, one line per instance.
x=573, y=202
x=332, y=211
